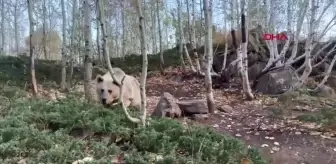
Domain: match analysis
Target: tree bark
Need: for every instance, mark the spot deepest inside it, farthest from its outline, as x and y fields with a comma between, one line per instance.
x=73, y=45
x=98, y=34
x=160, y=36
x=88, y=52
x=144, y=64
x=64, y=59
x=31, y=47
x=193, y=38
x=180, y=42
x=2, y=48
x=209, y=52
x=44, y=30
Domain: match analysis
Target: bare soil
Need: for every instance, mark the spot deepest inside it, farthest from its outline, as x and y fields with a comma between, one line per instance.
x=283, y=141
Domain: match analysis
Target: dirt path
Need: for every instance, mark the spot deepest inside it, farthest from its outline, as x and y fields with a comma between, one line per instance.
x=279, y=141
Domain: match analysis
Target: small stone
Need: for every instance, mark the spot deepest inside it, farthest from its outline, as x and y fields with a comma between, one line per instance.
x=334, y=149
x=266, y=137
x=256, y=133
x=215, y=126
x=275, y=148
x=314, y=133
x=264, y=145
x=238, y=135
x=272, y=152
x=271, y=138
x=226, y=109
x=297, y=133
x=229, y=126
x=276, y=143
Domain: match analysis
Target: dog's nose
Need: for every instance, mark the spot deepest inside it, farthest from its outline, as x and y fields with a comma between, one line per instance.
x=104, y=101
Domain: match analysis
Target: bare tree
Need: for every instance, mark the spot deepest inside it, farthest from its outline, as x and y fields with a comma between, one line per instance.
x=72, y=42
x=98, y=34
x=88, y=52
x=193, y=38
x=2, y=49
x=209, y=53
x=160, y=36
x=44, y=29
x=31, y=48
x=242, y=57
x=180, y=42
x=144, y=63
x=63, y=73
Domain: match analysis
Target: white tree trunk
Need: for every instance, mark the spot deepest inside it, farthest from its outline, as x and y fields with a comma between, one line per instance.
x=88, y=52
x=64, y=60
x=31, y=47
x=144, y=62
x=209, y=53
x=160, y=36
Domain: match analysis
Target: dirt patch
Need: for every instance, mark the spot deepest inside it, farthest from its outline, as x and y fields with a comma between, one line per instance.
x=283, y=141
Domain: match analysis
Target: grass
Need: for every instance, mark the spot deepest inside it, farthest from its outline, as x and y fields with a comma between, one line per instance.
x=52, y=132
x=41, y=131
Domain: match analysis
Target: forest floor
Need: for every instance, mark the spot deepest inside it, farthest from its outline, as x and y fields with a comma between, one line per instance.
x=266, y=123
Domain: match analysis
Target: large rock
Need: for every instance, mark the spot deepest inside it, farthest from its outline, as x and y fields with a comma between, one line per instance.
x=255, y=70
x=190, y=107
x=326, y=91
x=277, y=81
x=332, y=80
x=167, y=106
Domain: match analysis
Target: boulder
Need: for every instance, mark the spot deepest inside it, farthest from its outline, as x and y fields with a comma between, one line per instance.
x=190, y=107
x=277, y=81
x=167, y=106
x=255, y=70
x=326, y=91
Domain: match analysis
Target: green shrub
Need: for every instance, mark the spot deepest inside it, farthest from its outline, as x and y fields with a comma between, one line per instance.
x=43, y=131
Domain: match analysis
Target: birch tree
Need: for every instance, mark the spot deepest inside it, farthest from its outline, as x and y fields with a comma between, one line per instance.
x=242, y=57
x=44, y=30
x=2, y=48
x=31, y=47
x=88, y=52
x=72, y=42
x=180, y=33
x=63, y=73
x=98, y=33
x=144, y=64
x=160, y=36
x=193, y=37
x=207, y=5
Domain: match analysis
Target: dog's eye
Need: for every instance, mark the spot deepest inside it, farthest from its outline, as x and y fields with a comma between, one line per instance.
x=102, y=90
x=110, y=91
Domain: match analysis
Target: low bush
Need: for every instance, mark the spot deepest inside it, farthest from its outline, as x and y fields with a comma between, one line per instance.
x=68, y=130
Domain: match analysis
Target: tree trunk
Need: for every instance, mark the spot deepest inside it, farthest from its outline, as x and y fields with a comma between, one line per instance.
x=73, y=45
x=144, y=66
x=243, y=60
x=88, y=52
x=98, y=35
x=31, y=47
x=188, y=22
x=180, y=42
x=123, y=28
x=193, y=38
x=63, y=76
x=16, y=28
x=209, y=52
x=2, y=48
x=44, y=30
x=160, y=36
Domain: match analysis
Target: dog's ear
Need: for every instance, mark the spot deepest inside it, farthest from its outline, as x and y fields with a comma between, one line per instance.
x=99, y=79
